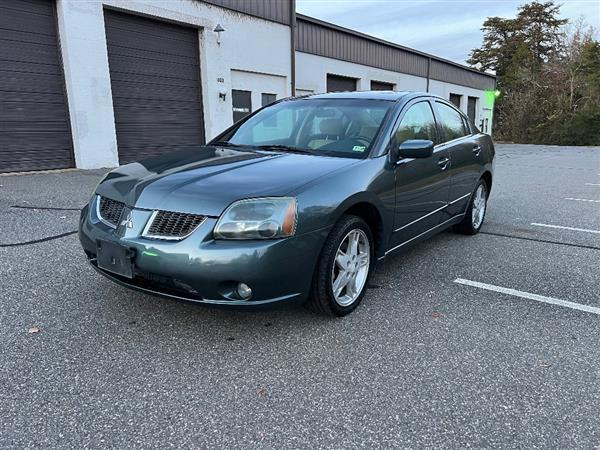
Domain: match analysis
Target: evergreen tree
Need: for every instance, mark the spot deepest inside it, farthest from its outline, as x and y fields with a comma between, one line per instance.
x=541, y=30
x=549, y=78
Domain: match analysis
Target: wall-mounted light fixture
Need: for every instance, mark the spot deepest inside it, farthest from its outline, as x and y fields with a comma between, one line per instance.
x=223, y=95
x=219, y=29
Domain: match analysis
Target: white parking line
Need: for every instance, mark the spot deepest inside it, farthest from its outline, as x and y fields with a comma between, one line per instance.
x=565, y=228
x=592, y=184
x=582, y=200
x=527, y=295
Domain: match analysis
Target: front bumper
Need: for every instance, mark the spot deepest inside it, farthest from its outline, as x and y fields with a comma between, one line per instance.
x=201, y=269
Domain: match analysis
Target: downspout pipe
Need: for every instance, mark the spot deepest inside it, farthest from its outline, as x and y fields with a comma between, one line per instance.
x=293, y=45
x=428, y=72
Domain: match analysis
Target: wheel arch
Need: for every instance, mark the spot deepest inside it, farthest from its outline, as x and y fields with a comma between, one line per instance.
x=372, y=212
x=487, y=177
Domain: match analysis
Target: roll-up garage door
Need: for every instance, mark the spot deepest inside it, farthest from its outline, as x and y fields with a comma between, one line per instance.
x=336, y=83
x=34, y=122
x=155, y=80
x=381, y=86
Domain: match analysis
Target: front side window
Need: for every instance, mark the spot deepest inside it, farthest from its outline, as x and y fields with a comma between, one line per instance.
x=336, y=127
x=452, y=122
x=417, y=123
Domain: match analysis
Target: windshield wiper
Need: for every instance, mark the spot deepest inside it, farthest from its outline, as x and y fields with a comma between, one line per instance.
x=226, y=144
x=275, y=147
x=286, y=148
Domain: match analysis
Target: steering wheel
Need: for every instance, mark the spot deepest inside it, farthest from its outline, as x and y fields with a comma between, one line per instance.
x=363, y=139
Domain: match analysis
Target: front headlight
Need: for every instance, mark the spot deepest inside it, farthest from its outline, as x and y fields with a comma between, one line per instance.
x=258, y=218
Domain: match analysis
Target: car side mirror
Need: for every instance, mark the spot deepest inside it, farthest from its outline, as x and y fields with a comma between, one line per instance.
x=415, y=148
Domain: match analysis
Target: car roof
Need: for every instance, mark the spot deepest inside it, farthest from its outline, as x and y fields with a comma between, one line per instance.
x=371, y=95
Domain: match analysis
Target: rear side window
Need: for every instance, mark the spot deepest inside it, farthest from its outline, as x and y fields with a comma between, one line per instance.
x=452, y=122
x=417, y=123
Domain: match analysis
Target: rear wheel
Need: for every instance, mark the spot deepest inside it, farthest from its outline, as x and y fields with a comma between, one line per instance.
x=475, y=214
x=342, y=274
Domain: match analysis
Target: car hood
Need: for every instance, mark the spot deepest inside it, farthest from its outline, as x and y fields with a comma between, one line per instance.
x=206, y=180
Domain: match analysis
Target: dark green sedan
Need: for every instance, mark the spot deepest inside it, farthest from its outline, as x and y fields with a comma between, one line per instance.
x=294, y=203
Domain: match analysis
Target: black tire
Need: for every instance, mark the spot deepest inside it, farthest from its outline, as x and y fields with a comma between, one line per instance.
x=468, y=226
x=322, y=299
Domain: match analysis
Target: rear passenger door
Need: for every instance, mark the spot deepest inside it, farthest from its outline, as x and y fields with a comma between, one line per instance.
x=463, y=151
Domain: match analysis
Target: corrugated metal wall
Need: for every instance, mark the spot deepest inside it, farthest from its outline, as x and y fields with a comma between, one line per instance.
x=443, y=71
x=319, y=38
x=313, y=37
x=275, y=10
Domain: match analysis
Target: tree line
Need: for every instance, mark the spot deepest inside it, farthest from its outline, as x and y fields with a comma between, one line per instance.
x=548, y=74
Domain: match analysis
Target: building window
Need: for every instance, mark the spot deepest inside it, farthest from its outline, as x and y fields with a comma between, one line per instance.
x=455, y=99
x=267, y=99
x=242, y=104
x=472, y=108
x=381, y=86
x=337, y=83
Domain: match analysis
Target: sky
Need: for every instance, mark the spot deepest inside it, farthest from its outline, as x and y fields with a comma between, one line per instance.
x=446, y=28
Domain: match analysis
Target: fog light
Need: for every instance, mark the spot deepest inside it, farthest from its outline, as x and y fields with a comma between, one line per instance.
x=244, y=291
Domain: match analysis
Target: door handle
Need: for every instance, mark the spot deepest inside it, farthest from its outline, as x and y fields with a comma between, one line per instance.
x=477, y=150
x=443, y=162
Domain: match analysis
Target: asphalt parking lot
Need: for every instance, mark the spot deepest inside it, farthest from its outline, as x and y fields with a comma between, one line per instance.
x=425, y=360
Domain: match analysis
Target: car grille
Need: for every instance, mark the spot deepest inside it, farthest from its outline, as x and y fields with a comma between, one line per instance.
x=110, y=210
x=172, y=225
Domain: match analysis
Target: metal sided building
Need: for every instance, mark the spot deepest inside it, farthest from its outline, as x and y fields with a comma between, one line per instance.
x=332, y=58
x=99, y=83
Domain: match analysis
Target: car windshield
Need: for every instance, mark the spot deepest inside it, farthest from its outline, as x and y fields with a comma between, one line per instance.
x=336, y=127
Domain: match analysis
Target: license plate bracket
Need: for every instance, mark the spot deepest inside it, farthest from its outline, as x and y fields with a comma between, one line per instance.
x=115, y=258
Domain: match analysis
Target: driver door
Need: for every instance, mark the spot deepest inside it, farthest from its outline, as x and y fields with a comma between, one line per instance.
x=422, y=184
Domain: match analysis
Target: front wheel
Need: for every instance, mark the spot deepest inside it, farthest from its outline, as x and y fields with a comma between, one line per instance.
x=473, y=220
x=342, y=274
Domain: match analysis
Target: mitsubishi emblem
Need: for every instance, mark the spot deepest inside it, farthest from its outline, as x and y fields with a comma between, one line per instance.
x=128, y=221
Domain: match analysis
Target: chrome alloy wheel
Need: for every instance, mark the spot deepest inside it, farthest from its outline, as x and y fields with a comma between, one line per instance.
x=479, y=205
x=351, y=267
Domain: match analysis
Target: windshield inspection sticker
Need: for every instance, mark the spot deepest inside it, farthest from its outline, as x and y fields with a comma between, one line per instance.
x=358, y=148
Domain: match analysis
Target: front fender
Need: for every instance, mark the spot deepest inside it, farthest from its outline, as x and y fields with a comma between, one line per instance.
x=323, y=202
